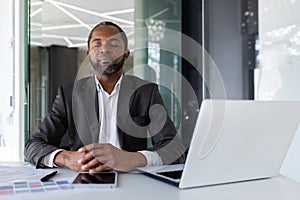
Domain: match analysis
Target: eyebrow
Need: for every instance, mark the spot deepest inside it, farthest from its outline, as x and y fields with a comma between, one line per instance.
x=110, y=39
x=95, y=40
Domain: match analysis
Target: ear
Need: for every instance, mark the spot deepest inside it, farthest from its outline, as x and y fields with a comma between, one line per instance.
x=126, y=54
x=87, y=52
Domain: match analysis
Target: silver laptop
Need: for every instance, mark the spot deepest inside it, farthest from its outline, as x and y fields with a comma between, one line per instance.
x=233, y=141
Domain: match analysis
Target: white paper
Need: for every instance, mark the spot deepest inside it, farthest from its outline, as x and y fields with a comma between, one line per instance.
x=20, y=172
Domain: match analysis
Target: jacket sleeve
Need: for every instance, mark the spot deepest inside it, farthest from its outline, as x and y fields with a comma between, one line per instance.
x=48, y=135
x=165, y=140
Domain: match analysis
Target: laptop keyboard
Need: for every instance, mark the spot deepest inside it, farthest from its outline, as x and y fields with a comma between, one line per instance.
x=172, y=174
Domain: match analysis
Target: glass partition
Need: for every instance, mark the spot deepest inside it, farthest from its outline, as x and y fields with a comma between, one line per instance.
x=13, y=40
x=154, y=22
x=59, y=31
x=277, y=75
x=66, y=23
x=279, y=51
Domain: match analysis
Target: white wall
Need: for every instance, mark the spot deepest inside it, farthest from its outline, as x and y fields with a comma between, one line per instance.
x=12, y=80
x=278, y=76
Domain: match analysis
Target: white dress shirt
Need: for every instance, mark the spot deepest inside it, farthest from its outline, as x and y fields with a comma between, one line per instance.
x=108, y=125
x=108, y=104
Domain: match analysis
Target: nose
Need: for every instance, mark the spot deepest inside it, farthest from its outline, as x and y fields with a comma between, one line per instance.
x=105, y=49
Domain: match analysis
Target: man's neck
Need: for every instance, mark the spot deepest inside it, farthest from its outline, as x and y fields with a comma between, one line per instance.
x=108, y=82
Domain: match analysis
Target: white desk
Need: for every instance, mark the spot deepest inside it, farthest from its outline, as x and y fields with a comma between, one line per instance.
x=137, y=186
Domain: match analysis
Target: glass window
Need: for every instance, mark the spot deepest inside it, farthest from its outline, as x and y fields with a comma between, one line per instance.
x=277, y=75
x=11, y=80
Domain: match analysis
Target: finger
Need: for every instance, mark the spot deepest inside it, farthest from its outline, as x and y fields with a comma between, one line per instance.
x=100, y=168
x=82, y=150
x=91, y=154
x=91, y=164
x=101, y=154
x=95, y=146
x=88, y=147
x=85, y=159
x=104, y=158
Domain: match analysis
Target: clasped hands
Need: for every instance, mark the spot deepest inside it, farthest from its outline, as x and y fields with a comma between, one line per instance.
x=100, y=157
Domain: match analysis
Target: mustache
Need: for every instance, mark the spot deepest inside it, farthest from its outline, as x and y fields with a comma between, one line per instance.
x=109, y=68
x=108, y=57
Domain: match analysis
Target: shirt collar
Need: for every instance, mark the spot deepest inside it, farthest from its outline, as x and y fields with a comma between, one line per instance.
x=116, y=88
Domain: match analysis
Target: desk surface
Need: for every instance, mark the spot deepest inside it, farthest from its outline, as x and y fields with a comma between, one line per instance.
x=137, y=186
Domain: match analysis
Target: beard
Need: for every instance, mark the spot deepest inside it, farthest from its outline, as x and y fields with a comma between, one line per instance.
x=109, y=69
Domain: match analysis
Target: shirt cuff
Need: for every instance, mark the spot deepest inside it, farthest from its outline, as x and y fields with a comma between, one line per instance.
x=48, y=160
x=152, y=157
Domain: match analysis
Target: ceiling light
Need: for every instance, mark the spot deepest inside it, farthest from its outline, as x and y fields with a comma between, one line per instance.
x=37, y=11
x=62, y=27
x=63, y=36
x=36, y=24
x=70, y=15
x=68, y=41
x=281, y=32
x=36, y=3
x=78, y=45
x=92, y=12
x=36, y=43
x=118, y=12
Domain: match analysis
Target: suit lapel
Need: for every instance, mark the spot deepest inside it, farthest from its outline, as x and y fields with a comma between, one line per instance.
x=85, y=116
x=123, y=110
x=89, y=108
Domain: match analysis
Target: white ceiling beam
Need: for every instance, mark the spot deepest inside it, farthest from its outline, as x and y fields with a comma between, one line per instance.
x=63, y=36
x=36, y=24
x=78, y=45
x=118, y=12
x=54, y=3
x=36, y=3
x=68, y=41
x=92, y=12
x=36, y=43
x=37, y=11
x=48, y=28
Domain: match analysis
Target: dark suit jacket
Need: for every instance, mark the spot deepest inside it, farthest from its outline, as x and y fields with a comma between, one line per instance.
x=140, y=116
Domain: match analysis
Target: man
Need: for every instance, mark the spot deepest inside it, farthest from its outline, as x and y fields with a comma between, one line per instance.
x=108, y=117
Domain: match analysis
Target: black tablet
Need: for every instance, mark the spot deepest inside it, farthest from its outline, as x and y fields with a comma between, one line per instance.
x=100, y=179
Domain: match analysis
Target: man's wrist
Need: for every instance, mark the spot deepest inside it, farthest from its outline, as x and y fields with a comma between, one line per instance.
x=139, y=159
x=152, y=157
x=60, y=159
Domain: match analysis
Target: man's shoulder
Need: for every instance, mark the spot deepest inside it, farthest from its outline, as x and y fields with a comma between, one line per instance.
x=68, y=88
x=136, y=81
